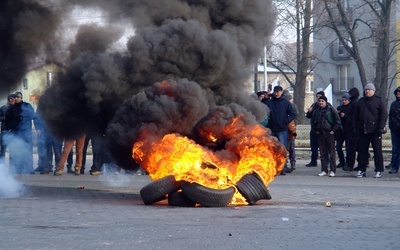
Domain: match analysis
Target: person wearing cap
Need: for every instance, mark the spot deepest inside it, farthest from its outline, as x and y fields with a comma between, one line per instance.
x=394, y=125
x=3, y=135
x=369, y=122
x=325, y=122
x=313, y=136
x=343, y=114
x=354, y=94
x=19, y=125
x=281, y=114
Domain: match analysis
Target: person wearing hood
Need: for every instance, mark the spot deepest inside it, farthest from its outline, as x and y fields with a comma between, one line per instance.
x=369, y=121
x=394, y=125
x=343, y=114
x=281, y=114
x=354, y=94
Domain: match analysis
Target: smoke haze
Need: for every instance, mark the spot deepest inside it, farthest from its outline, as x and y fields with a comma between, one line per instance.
x=184, y=58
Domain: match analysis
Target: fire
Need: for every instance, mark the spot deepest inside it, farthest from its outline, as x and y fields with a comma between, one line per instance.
x=248, y=148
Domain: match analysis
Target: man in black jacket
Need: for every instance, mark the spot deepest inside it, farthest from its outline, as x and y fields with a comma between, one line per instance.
x=394, y=125
x=369, y=122
x=19, y=125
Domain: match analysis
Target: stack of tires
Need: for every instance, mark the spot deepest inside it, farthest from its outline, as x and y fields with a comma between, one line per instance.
x=185, y=194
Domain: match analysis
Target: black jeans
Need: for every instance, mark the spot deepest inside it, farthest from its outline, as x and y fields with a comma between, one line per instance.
x=363, y=155
x=314, y=146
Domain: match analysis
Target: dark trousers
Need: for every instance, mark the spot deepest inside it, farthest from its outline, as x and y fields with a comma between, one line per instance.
x=363, y=151
x=3, y=146
x=327, y=150
x=339, y=150
x=314, y=146
x=21, y=151
x=353, y=148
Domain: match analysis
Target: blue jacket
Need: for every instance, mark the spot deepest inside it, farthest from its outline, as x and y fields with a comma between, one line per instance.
x=281, y=114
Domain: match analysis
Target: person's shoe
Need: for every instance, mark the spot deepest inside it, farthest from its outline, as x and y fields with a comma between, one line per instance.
x=77, y=172
x=287, y=170
x=347, y=168
x=361, y=174
x=293, y=165
x=311, y=164
x=389, y=166
x=340, y=165
x=70, y=171
x=331, y=174
x=82, y=171
x=38, y=169
x=282, y=172
x=323, y=173
x=378, y=174
x=94, y=172
x=58, y=172
x=45, y=171
x=393, y=171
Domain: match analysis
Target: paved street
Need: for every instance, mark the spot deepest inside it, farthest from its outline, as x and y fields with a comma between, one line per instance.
x=106, y=212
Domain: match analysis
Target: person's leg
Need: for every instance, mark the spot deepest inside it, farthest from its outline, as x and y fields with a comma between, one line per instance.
x=363, y=156
x=330, y=143
x=68, y=144
x=314, y=149
x=376, y=142
x=323, y=152
x=339, y=151
x=80, y=142
x=395, y=153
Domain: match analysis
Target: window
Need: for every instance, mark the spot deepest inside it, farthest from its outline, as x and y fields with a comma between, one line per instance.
x=340, y=48
x=343, y=78
x=25, y=83
x=52, y=78
x=309, y=86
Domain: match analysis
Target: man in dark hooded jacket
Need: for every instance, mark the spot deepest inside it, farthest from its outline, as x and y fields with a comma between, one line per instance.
x=354, y=94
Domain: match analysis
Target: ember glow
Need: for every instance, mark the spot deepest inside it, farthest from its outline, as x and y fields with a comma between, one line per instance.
x=247, y=149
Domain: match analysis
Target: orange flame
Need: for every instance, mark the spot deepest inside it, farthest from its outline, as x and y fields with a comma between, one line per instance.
x=248, y=149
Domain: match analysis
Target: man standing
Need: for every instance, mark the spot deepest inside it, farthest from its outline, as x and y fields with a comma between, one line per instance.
x=281, y=114
x=369, y=122
x=313, y=135
x=19, y=124
x=353, y=137
x=394, y=125
x=3, y=112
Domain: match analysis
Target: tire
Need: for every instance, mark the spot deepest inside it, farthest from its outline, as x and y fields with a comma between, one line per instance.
x=208, y=197
x=253, y=188
x=180, y=200
x=158, y=190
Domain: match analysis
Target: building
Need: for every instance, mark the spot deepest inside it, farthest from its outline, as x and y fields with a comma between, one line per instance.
x=333, y=64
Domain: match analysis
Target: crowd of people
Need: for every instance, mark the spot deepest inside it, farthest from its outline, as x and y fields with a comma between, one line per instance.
x=17, y=118
x=356, y=124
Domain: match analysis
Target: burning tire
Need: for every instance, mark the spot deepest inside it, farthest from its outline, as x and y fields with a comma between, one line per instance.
x=253, y=188
x=207, y=197
x=158, y=190
x=180, y=200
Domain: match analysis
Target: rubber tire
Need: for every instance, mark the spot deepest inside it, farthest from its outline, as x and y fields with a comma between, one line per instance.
x=208, y=197
x=253, y=188
x=180, y=200
x=158, y=190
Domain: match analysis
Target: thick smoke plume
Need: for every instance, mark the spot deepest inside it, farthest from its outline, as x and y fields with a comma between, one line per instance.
x=25, y=27
x=184, y=58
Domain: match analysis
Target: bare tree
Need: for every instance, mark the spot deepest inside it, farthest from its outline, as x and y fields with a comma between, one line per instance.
x=376, y=16
x=298, y=16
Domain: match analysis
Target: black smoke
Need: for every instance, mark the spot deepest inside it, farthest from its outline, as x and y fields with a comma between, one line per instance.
x=25, y=27
x=184, y=58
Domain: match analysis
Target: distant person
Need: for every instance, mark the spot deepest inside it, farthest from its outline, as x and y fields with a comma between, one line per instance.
x=292, y=134
x=369, y=122
x=313, y=135
x=394, y=125
x=281, y=114
x=19, y=119
x=343, y=114
x=353, y=137
x=3, y=135
x=325, y=122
